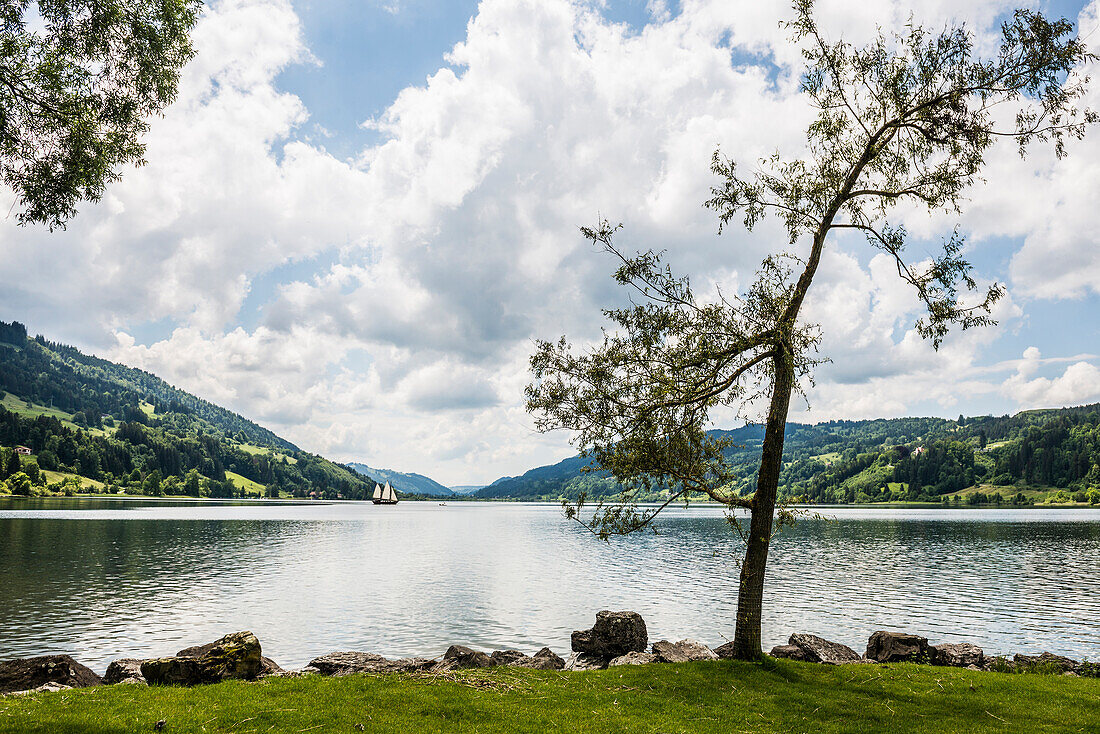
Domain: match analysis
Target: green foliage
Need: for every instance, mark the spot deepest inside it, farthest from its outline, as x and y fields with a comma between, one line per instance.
x=165, y=441
x=76, y=92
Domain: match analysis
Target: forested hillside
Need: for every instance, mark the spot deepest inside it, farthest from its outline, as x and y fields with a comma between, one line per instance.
x=91, y=424
x=1052, y=454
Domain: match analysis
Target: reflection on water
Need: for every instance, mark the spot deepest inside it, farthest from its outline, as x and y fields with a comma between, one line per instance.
x=105, y=579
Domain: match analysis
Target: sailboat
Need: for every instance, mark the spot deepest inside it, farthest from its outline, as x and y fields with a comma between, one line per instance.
x=384, y=495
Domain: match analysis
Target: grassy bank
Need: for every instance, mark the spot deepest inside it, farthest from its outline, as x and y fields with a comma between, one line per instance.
x=782, y=696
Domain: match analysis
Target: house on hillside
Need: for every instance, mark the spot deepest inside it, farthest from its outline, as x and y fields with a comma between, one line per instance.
x=23, y=450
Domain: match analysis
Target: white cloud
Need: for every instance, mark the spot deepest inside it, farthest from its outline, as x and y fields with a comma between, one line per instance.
x=453, y=242
x=1079, y=383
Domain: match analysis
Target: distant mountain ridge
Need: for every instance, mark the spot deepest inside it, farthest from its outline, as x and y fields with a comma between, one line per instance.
x=899, y=459
x=409, y=483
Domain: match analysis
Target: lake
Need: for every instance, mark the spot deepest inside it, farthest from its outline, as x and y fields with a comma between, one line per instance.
x=103, y=579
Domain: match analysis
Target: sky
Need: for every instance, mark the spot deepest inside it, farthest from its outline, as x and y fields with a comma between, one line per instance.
x=359, y=215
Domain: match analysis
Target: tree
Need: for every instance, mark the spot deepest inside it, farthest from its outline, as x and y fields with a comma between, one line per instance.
x=907, y=118
x=76, y=93
x=20, y=483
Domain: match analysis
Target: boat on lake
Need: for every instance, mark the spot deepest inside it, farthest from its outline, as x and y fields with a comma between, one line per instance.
x=384, y=495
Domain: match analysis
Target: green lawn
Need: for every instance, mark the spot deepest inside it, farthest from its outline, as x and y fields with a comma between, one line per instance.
x=244, y=483
x=58, y=476
x=15, y=404
x=782, y=696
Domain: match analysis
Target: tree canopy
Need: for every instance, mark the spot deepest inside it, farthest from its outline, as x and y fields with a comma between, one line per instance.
x=78, y=81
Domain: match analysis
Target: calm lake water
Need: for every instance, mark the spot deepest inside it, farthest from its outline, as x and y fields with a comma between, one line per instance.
x=103, y=579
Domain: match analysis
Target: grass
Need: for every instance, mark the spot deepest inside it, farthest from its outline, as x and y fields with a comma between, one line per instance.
x=251, y=448
x=721, y=696
x=16, y=404
x=244, y=483
x=60, y=476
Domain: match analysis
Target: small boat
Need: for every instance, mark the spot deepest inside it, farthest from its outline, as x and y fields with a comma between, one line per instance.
x=384, y=495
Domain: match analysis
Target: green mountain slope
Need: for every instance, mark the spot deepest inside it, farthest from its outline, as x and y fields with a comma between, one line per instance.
x=902, y=459
x=405, y=482
x=130, y=431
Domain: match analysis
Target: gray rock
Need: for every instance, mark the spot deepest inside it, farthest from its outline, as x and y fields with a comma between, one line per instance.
x=135, y=681
x=44, y=688
x=26, y=674
x=682, y=651
x=544, y=659
x=634, y=658
x=269, y=666
x=725, y=651
x=819, y=650
x=958, y=655
x=791, y=652
x=347, y=663
x=1045, y=662
x=122, y=670
x=236, y=655
x=513, y=658
x=898, y=647
x=584, y=661
x=614, y=634
x=460, y=656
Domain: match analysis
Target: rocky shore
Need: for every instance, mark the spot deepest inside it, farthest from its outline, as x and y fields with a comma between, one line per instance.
x=616, y=638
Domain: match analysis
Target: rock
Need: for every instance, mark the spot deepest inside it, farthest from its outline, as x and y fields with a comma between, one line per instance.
x=236, y=655
x=24, y=674
x=958, y=655
x=135, y=681
x=897, y=647
x=269, y=666
x=44, y=688
x=614, y=634
x=584, y=661
x=635, y=658
x=725, y=651
x=544, y=659
x=790, y=652
x=819, y=650
x=347, y=663
x=460, y=656
x=1045, y=662
x=682, y=651
x=122, y=670
x=508, y=657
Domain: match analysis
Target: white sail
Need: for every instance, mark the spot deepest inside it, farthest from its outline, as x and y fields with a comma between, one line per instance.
x=388, y=493
x=377, y=492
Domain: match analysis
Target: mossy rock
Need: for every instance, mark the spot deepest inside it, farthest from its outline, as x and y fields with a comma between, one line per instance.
x=236, y=655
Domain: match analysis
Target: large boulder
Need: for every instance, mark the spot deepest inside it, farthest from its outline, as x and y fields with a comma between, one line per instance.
x=584, y=661
x=236, y=655
x=270, y=667
x=346, y=663
x=24, y=674
x=819, y=650
x=614, y=634
x=898, y=647
x=958, y=655
x=634, y=658
x=126, y=669
x=682, y=651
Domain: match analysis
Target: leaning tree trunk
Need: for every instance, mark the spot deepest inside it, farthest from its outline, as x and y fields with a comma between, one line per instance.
x=746, y=641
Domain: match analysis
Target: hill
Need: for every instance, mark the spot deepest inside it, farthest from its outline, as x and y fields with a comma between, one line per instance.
x=91, y=423
x=407, y=483
x=1037, y=454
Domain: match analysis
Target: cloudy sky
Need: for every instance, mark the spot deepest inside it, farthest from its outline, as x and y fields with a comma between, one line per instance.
x=359, y=214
